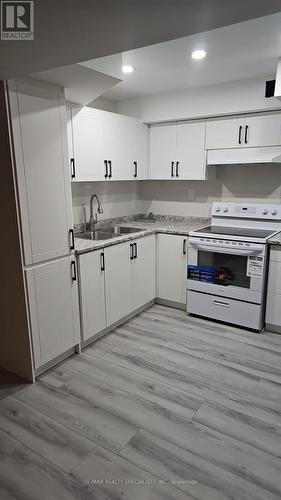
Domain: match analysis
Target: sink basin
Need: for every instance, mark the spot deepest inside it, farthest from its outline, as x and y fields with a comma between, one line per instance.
x=96, y=236
x=108, y=232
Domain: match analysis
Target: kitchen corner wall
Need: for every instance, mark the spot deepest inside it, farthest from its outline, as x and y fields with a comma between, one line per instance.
x=117, y=198
x=252, y=184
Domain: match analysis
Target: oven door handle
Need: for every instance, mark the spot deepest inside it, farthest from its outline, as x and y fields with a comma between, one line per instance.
x=228, y=250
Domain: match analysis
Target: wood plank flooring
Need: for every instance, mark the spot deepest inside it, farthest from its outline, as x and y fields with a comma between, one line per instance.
x=166, y=407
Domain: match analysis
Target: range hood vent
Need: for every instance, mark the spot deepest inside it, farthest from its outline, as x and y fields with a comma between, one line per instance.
x=244, y=156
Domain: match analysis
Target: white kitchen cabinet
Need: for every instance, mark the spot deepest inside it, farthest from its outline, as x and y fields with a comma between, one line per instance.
x=90, y=136
x=225, y=132
x=118, y=282
x=244, y=131
x=139, y=160
x=190, y=151
x=273, y=299
x=41, y=160
x=92, y=293
x=53, y=308
x=114, y=282
x=263, y=129
x=171, y=268
x=119, y=153
x=144, y=270
x=162, y=150
x=177, y=151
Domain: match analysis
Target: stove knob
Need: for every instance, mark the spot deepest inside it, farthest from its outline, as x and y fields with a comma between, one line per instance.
x=218, y=209
x=274, y=212
x=265, y=211
x=225, y=209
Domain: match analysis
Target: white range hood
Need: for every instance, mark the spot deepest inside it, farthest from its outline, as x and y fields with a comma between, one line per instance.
x=244, y=156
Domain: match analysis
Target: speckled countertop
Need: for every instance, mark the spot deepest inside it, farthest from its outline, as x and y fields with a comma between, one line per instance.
x=275, y=240
x=181, y=227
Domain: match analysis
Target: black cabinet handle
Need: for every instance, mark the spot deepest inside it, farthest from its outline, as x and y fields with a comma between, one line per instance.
x=102, y=263
x=106, y=169
x=136, y=251
x=71, y=239
x=246, y=134
x=72, y=165
x=135, y=169
x=177, y=169
x=184, y=246
x=110, y=169
x=240, y=132
x=73, y=270
x=131, y=251
x=172, y=169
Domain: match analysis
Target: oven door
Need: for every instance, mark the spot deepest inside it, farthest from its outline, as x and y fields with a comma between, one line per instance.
x=233, y=272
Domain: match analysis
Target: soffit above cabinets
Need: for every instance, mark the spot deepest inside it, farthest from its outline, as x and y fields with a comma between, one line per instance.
x=82, y=85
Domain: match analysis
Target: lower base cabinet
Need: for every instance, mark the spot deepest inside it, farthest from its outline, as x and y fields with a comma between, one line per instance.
x=53, y=308
x=114, y=282
x=171, y=268
x=273, y=300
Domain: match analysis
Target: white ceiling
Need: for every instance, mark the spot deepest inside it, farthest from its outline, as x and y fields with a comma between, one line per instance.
x=240, y=51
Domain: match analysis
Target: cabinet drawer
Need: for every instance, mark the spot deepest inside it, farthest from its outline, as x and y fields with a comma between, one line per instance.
x=273, y=309
x=275, y=253
x=222, y=309
x=274, y=277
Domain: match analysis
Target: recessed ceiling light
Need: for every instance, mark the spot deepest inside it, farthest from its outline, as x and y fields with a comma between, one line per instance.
x=127, y=68
x=198, y=54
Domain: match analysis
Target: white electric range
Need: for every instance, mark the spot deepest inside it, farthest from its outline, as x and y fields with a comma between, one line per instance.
x=228, y=263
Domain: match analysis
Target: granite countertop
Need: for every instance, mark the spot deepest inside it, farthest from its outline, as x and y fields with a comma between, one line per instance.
x=180, y=227
x=275, y=240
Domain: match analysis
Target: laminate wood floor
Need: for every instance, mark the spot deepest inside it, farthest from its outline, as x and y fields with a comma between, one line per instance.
x=167, y=407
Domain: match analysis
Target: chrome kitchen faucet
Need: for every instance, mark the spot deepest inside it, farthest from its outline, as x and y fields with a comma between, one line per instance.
x=94, y=217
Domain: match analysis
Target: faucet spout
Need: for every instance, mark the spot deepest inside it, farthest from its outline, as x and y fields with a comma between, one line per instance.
x=94, y=217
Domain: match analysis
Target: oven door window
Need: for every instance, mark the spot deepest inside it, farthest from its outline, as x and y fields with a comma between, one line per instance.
x=221, y=269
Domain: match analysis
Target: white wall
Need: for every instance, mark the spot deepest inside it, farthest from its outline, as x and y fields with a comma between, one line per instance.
x=232, y=97
x=104, y=104
x=254, y=184
x=118, y=199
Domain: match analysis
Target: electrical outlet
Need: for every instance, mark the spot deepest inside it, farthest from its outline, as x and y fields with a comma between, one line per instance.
x=190, y=195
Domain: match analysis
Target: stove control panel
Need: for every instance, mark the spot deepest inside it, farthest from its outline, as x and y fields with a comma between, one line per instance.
x=246, y=210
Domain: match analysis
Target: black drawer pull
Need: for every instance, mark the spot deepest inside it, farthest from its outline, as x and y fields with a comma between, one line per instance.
x=135, y=169
x=136, y=251
x=102, y=266
x=246, y=134
x=172, y=169
x=72, y=165
x=110, y=169
x=240, y=132
x=71, y=239
x=184, y=246
x=73, y=270
x=177, y=169
x=106, y=169
x=131, y=251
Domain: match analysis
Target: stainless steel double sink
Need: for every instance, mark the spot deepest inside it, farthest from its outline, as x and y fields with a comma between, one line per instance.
x=108, y=232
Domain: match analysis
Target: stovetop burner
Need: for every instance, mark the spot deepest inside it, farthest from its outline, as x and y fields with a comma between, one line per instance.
x=235, y=231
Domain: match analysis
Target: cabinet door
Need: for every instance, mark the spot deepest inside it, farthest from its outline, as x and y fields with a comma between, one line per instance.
x=120, y=146
x=90, y=135
x=263, y=130
x=171, y=267
x=225, y=132
x=162, y=151
x=140, y=151
x=118, y=282
x=92, y=293
x=144, y=272
x=53, y=306
x=39, y=129
x=191, y=154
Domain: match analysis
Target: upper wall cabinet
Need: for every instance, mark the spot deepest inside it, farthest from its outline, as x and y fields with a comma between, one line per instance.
x=177, y=151
x=106, y=146
x=255, y=130
x=39, y=126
